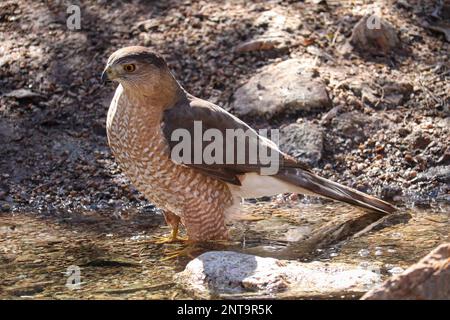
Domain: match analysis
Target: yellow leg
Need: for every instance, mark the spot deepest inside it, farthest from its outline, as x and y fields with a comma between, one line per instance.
x=173, y=221
x=172, y=238
x=175, y=232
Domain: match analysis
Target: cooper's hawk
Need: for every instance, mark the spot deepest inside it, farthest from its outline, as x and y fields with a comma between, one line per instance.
x=149, y=105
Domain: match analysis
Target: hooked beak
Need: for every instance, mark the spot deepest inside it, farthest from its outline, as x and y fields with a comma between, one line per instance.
x=105, y=75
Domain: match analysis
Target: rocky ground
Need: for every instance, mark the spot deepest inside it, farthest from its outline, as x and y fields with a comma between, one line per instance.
x=375, y=119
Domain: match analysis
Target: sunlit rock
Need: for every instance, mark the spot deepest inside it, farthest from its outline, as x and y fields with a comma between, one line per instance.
x=226, y=273
x=375, y=35
x=428, y=279
x=287, y=87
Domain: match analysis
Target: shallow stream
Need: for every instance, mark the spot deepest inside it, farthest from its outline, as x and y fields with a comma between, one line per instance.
x=115, y=257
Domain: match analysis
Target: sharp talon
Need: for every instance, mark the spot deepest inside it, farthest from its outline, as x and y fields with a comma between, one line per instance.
x=168, y=239
x=173, y=238
x=186, y=252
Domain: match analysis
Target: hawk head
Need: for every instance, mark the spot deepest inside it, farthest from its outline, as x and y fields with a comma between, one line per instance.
x=134, y=65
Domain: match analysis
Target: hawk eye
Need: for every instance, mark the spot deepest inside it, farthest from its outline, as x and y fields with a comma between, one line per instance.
x=129, y=67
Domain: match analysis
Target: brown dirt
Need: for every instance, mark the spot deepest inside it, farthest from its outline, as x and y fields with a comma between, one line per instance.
x=54, y=153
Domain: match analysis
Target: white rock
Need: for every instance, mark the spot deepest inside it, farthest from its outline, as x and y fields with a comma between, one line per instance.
x=363, y=252
x=23, y=94
x=225, y=273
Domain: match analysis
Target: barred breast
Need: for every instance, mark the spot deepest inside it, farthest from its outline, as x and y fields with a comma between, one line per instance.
x=139, y=146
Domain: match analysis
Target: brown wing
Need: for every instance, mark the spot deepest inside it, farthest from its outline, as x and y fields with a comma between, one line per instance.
x=189, y=109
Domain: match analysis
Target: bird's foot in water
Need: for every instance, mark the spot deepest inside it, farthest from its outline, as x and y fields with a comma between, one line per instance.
x=191, y=249
x=188, y=250
x=172, y=238
x=168, y=239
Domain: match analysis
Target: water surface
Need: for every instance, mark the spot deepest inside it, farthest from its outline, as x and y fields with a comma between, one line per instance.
x=118, y=259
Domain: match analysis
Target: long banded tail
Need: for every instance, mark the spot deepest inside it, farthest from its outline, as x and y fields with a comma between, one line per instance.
x=329, y=189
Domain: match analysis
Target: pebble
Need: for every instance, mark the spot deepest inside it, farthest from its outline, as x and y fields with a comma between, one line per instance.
x=363, y=252
x=5, y=207
x=396, y=270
